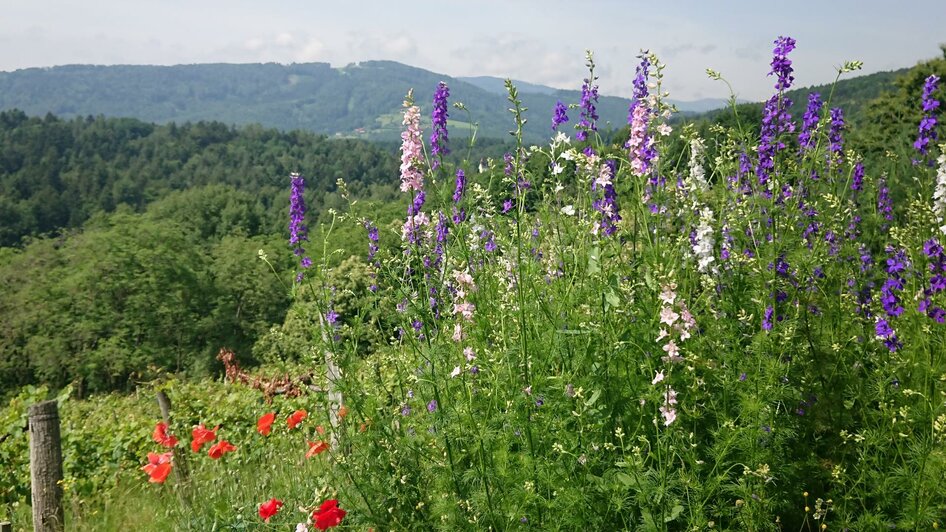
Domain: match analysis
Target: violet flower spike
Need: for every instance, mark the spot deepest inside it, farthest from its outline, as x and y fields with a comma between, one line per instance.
x=810, y=122
x=928, y=122
x=438, y=138
x=560, y=116
x=589, y=114
x=298, y=232
x=776, y=119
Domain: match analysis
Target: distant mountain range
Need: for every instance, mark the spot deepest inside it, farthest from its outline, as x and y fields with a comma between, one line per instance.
x=360, y=100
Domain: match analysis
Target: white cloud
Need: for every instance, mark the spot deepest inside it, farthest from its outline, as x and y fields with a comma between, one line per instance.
x=312, y=50
x=254, y=44
x=284, y=39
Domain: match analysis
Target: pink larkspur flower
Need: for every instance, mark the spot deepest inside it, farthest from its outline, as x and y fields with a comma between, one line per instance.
x=669, y=414
x=469, y=354
x=668, y=316
x=667, y=295
x=465, y=309
x=411, y=149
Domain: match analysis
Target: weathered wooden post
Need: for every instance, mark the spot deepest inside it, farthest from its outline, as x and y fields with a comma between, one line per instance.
x=6, y=526
x=334, y=374
x=46, y=467
x=180, y=459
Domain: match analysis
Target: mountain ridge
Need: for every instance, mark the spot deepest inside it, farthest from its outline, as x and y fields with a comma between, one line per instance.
x=358, y=100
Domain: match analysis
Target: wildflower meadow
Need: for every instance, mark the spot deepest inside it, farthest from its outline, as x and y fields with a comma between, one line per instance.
x=735, y=327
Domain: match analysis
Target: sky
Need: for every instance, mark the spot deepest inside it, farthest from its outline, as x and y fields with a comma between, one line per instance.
x=540, y=41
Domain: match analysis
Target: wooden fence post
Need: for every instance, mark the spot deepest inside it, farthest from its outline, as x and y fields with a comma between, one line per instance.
x=180, y=458
x=46, y=467
x=333, y=374
x=6, y=526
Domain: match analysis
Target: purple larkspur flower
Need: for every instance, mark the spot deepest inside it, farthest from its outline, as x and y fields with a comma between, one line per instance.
x=588, y=117
x=781, y=64
x=776, y=120
x=441, y=228
x=857, y=179
x=927, y=130
x=507, y=206
x=438, y=117
x=432, y=405
x=298, y=231
x=372, y=239
x=885, y=332
x=560, y=116
x=490, y=243
x=640, y=85
x=767, y=318
x=331, y=317
x=932, y=248
x=835, y=141
x=417, y=204
x=810, y=122
x=460, y=186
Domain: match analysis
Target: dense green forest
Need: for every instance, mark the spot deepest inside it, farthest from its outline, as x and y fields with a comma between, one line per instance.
x=55, y=173
x=129, y=248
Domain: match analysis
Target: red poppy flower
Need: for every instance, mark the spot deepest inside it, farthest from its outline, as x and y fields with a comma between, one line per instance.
x=320, y=429
x=162, y=437
x=328, y=515
x=201, y=435
x=220, y=448
x=295, y=418
x=265, y=423
x=342, y=412
x=158, y=467
x=269, y=509
x=316, y=447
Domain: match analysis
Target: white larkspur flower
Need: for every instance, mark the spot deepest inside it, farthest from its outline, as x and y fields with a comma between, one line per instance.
x=939, y=192
x=697, y=176
x=664, y=130
x=658, y=377
x=561, y=138
x=568, y=210
x=703, y=242
x=455, y=372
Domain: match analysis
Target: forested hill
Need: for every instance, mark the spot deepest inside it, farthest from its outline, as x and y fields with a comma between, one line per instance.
x=56, y=173
x=852, y=94
x=361, y=100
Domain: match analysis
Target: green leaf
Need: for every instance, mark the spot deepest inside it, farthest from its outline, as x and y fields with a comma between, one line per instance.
x=594, y=398
x=611, y=299
x=593, y=261
x=674, y=513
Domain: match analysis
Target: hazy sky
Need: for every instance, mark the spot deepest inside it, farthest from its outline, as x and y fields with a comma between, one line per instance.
x=541, y=41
